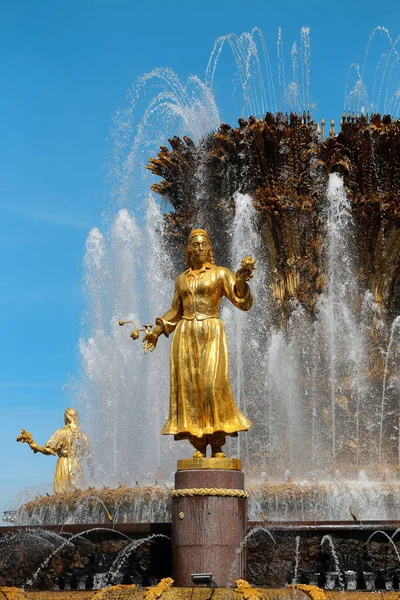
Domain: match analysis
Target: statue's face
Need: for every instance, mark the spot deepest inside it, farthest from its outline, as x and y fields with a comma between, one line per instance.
x=199, y=248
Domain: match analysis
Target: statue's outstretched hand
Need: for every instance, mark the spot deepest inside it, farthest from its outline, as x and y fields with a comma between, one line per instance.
x=247, y=269
x=25, y=437
x=150, y=341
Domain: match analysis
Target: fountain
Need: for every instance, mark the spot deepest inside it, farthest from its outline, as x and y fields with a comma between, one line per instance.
x=323, y=336
x=313, y=365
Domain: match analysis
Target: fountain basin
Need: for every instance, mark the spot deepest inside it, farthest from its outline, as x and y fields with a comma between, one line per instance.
x=278, y=553
x=338, y=500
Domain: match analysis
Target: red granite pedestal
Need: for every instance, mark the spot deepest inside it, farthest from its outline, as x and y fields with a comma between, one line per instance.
x=209, y=518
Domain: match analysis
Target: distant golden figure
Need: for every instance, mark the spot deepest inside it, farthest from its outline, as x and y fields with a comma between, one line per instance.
x=202, y=407
x=72, y=446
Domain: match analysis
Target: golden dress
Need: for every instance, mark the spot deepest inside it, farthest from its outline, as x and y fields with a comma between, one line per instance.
x=201, y=399
x=72, y=447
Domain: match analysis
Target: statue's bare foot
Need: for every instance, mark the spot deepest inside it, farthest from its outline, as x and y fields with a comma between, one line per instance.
x=218, y=455
x=199, y=454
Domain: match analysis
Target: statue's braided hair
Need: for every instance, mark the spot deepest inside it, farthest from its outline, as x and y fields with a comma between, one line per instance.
x=72, y=415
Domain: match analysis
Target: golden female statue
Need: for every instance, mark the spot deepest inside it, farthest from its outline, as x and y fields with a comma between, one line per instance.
x=72, y=446
x=202, y=407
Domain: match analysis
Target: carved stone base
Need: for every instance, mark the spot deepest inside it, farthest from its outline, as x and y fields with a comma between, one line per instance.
x=209, y=519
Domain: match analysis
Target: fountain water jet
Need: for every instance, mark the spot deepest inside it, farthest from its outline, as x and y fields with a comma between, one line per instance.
x=395, y=324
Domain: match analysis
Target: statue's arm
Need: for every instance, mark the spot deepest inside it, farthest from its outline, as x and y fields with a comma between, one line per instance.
x=26, y=437
x=43, y=449
x=167, y=323
x=241, y=288
x=236, y=289
x=171, y=318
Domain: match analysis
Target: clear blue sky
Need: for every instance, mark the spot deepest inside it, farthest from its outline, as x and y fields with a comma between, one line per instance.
x=65, y=68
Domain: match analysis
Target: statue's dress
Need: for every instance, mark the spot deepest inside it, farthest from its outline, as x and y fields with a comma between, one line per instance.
x=72, y=446
x=201, y=399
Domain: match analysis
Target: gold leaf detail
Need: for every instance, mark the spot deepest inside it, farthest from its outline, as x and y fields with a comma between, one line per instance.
x=13, y=593
x=312, y=591
x=155, y=592
x=188, y=492
x=248, y=592
x=103, y=593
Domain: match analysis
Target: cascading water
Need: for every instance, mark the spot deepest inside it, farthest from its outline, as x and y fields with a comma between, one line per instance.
x=344, y=346
x=320, y=404
x=315, y=373
x=395, y=325
x=246, y=331
x=159, y=293
x=127, y=389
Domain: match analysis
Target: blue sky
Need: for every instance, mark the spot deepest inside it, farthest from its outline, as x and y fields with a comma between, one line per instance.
x=65, y=68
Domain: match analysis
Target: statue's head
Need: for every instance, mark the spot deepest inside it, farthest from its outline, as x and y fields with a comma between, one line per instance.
x=199, y=243
x=71, y=416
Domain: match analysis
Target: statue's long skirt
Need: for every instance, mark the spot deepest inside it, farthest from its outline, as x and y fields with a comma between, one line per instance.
x=201, y=399
x=69, y=475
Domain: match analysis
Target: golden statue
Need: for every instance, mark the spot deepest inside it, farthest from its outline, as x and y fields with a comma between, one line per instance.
x=202, y=407
x=72, y=446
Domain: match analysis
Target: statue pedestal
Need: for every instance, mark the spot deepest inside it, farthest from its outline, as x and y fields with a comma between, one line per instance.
x=209, y=520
